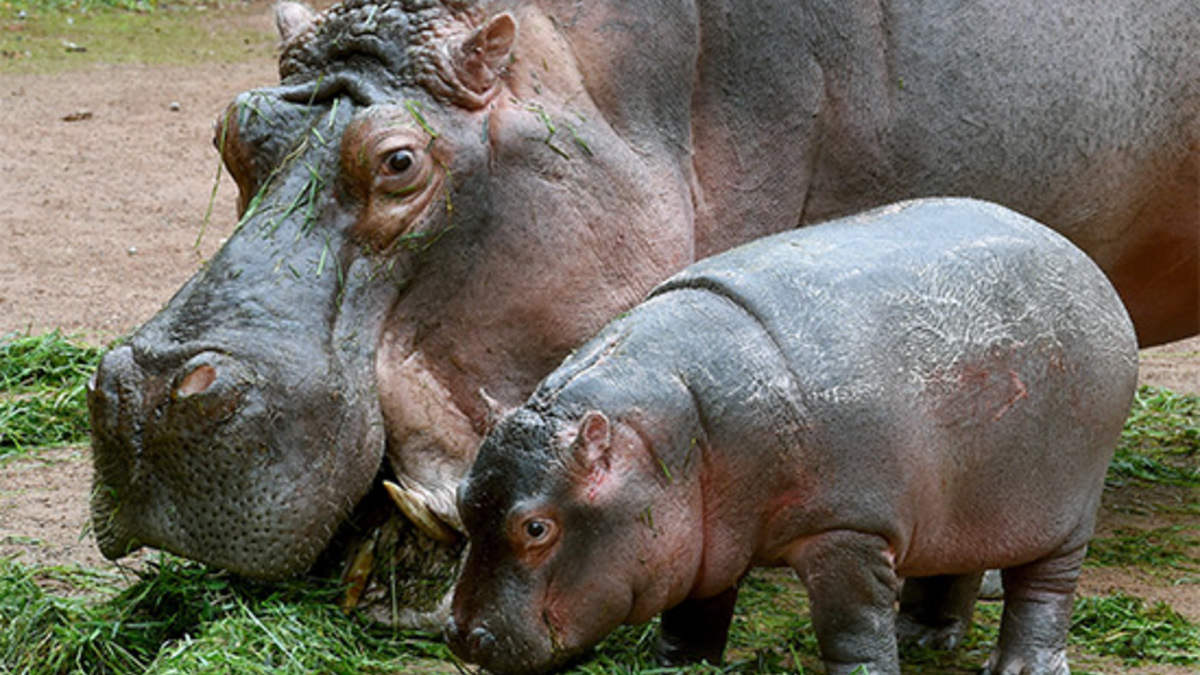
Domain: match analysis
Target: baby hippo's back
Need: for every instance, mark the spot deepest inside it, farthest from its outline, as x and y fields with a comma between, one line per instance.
x=958, y=375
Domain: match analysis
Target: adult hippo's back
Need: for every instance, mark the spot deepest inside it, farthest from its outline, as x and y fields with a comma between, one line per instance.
x=441, y=199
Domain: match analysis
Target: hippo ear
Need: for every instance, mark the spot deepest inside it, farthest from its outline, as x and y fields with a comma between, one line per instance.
x=482, y=57
x=495, y=410
x=292, y=19
x=593, y=445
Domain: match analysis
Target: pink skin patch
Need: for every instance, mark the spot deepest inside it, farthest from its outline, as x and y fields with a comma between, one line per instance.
x=198, y=381
x=1021, y=392
x=595, y=479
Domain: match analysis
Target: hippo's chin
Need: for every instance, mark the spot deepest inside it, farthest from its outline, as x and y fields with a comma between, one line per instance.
x=505, y=659
x=256, y=553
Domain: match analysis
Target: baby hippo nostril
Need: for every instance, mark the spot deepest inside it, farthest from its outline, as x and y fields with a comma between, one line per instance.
x=198, y=381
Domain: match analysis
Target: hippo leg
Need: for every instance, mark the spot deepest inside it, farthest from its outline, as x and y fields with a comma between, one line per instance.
x=852, y=590
x=696, y=629
x=935, y=612
x=1038, y=599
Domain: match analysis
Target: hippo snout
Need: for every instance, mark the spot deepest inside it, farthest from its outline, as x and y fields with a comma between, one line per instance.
x=510, y=644
x=466, y=640
x=140, y=414
x=242, y=453
x=114, y=399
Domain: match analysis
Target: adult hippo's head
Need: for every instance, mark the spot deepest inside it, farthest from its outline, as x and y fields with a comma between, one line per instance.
x=433, y=213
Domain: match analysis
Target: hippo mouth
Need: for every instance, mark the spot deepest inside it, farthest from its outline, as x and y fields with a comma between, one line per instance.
x=182, y=464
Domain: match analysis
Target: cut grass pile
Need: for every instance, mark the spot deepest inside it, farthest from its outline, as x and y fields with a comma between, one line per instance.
x=1124, y=627
x=43, y=401
x=1160, y=549
x=180, y=618
x=1160, y=441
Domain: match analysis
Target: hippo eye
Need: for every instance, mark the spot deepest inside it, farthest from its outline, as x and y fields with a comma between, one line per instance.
x=535, y=537
x=399, y=161
x=538, y=530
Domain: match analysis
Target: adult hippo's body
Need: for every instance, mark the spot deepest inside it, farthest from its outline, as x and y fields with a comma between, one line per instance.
x=441, y=199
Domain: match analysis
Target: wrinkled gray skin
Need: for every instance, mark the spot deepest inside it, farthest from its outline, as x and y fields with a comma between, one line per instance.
x=920, y=392
x=440, y=200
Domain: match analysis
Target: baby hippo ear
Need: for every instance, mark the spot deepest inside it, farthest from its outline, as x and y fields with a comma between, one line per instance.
x=593, y=445
x=486, y=53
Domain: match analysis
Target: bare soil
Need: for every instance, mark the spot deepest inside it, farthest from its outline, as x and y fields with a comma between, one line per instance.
x=106, y=174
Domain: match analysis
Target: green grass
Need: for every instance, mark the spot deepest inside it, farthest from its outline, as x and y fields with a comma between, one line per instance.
x=180, y=618
x=42, y=391
x=48, y=36
x=1159, y=549
x=1160, y=441
x=1124, y=627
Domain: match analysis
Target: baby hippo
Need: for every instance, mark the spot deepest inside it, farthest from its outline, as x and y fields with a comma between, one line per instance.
x=918, y=393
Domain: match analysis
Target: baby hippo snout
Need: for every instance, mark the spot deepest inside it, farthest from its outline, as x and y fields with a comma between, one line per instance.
x=478, y=645
x=500, y=647
x=477, y=640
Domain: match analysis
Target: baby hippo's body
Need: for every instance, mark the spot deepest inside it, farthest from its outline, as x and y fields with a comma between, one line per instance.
x=920, y=393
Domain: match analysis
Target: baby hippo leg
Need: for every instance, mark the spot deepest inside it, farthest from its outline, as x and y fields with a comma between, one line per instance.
x=852, y=588
x=935, y=612
x=1038, y=599
x=696, y=630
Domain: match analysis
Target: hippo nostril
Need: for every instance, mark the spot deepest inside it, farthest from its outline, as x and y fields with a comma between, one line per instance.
x=198, y=381
x=210, y=385
x=115, y=383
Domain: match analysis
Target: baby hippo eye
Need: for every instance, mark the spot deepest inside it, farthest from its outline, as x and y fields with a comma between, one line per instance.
x=399, y=161
x=536, y=536
x=536, y=529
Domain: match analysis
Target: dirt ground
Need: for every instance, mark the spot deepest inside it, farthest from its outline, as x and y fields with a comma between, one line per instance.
x=105, y=178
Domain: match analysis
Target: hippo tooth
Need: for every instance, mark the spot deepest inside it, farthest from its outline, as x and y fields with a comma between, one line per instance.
x=413, y=505
x=358, y=573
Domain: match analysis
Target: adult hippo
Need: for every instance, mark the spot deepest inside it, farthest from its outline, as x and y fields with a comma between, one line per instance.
x=442, y=198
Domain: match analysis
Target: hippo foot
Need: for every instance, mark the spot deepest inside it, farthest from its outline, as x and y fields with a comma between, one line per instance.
x=1030, y=662
x=935, y=612
x=911, y=632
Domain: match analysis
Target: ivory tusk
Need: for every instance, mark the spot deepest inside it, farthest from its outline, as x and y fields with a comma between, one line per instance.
x=412, y=504
x=357, y=574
